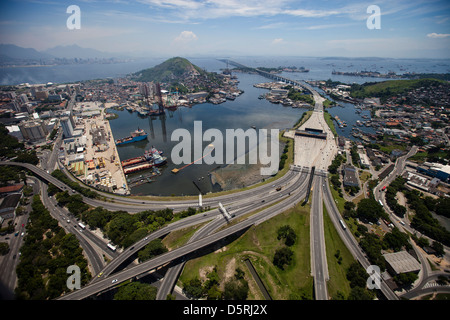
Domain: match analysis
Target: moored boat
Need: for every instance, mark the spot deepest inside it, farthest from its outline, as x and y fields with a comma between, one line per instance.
x=137, y=135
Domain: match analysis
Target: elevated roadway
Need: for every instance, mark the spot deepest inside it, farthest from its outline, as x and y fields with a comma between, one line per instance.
x=172, y=274
x=292, y=176
x=131, y=205
x=287, y=201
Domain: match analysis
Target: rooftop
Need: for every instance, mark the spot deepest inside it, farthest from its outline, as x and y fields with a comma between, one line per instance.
x=402, y=262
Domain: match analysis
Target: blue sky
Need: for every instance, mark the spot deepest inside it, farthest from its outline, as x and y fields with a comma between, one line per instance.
x=409, y=28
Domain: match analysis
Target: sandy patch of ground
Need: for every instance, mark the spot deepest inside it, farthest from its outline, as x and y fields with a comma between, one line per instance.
x=401, y=199
x=229, y=270
x=221, y=249
x=203, y=272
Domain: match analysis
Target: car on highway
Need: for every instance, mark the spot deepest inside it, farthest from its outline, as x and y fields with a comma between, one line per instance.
x=114, y=281
x=100, y=274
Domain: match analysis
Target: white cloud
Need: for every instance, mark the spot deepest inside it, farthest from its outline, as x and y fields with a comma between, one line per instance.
x=181, y=4
x=277, y=41
x=272, y=26
x=186, y=36
x=438, y=35
x=329, y=26
x=311, y=13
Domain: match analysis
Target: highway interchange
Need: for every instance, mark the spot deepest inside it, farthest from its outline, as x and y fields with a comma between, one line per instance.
x=218, y=227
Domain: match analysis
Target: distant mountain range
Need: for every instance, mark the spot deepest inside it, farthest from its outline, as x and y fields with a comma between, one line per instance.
x=75, y=51
x=10, y=53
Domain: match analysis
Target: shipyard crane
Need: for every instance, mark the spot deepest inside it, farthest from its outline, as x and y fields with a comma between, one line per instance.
x=160, y=99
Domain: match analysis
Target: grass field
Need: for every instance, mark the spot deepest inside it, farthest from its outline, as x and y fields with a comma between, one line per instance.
x=259, y=244
x=330, y=123
x=338, y=282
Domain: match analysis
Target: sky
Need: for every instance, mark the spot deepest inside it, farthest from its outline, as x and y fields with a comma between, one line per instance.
x=407, y=28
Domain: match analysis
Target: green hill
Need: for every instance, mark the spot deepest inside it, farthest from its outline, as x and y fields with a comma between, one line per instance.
x=171, y=70
x=391, y=88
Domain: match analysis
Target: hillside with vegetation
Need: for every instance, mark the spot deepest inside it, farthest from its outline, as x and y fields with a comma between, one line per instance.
x=170, y=70
x=387, y=89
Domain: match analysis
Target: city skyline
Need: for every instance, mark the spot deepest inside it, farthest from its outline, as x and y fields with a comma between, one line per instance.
x=409, y=29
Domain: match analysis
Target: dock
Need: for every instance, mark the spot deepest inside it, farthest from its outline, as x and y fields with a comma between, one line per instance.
x=97, y=162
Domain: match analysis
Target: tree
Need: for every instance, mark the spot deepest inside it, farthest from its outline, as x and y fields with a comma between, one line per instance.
x=52, y=189
x=282, y=257
x=239, y=274
x=288, y=234
x=443, y=207
x=439, y=248
x=154, y=248
x=405, y=279
x=357, y=275
x=362, y=229
x=372, y=245
x=4, y=248
x=359, y=293
x=194, y=288
x=371, y=210
x=214, y=293
x=235, y=290
x=395, y=240
x=349, y=205
x=136, y=291
x=213, y=279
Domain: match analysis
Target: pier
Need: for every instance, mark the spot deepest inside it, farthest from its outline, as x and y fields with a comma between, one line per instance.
x=95, y=161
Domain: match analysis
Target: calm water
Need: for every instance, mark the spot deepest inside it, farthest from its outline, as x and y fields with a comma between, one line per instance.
x=320, y=68
x=246, y=111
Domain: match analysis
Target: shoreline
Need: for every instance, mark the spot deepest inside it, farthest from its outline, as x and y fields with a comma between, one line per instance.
x=116, y=153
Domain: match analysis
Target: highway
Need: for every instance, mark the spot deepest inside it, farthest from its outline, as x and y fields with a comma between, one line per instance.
x=239, y=203
x=9, y=262
x=173, y=272
x=287, y=202
x=205, y=233
x=116, y=203
x=348, y=239
x=190, y=221
x=88, y=241
x=319, y=268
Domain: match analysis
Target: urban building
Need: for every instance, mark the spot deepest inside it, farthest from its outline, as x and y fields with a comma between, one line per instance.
x=436, y=170
x=401, y=262
x=364, y=160
x=8, y=206
x=350, y=176
x=42, y=95
x=68, y=129
x=33, y=130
